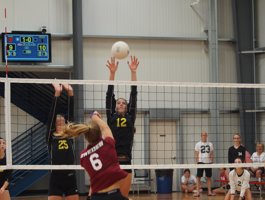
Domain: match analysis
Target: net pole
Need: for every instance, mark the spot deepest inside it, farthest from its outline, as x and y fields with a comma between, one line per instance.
x=8, y=122
x=5, y=39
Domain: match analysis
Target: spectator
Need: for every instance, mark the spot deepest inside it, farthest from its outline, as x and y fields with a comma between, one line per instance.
x=188, y=182
x=204, y=155
x=224, y=177
x=237, y=150
x=258, y=157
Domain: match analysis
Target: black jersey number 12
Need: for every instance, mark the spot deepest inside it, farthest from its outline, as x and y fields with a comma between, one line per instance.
x=121, y=122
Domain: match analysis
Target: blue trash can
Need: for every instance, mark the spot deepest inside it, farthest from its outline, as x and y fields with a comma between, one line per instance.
x=164, y=181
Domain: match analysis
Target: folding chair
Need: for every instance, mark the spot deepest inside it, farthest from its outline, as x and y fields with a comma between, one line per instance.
x=142, y=180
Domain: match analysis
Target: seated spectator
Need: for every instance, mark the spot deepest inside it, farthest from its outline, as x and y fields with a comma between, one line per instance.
x=223, y=175
x=258, y=157
x=188, y=182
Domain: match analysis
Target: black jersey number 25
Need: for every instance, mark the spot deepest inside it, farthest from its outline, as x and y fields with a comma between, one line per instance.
x=205, y=149
x=62, y=144
x=121, y=122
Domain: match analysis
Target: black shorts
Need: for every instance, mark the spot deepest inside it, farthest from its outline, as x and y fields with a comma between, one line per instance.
x=125, y=160
x=62, y=184
x=111, y=195
x=208, y=171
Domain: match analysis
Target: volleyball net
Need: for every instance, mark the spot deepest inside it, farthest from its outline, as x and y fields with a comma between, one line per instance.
x=169, y=121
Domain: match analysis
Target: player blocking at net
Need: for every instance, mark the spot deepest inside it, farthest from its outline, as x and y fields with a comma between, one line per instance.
x=62, y=182
x=121, y=119
x=99, y=158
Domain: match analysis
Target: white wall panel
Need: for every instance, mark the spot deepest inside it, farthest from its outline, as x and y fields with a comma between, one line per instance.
x=30, y=15
x=227, y=63
x=225, y=19
x=60, y=16
x=160, y=18
x=62, y=52
x=35, y=13
x=260, y=22
x=159, y=60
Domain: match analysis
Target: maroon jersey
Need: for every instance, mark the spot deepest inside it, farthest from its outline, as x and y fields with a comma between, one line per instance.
x=101, y=163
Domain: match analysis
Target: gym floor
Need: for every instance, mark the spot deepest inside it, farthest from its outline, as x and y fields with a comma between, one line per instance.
x=174, y=195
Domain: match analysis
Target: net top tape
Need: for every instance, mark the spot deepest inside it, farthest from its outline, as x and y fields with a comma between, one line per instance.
x=163, y=166
x=138, y=83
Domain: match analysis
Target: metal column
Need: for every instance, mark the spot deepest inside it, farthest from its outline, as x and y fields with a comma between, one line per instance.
x=244, y=35
x=213, y=67
x=78, y=74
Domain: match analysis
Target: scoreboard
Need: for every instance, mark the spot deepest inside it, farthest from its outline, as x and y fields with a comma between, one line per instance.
x=26, y=47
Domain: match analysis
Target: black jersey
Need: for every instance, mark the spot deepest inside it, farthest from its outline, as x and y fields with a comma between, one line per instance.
x=122, y=126
x=5, y=175
x=61, y=149
x=234, y=153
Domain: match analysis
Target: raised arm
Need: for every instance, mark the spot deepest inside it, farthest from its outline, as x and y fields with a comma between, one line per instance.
x=53, y=111
x=133, y=65
x=132, y=107
x=104, y=128
x=113, y=66
x=110, y=97
x=70, y=102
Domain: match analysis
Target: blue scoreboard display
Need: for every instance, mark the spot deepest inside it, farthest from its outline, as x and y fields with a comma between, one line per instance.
x=26, y=47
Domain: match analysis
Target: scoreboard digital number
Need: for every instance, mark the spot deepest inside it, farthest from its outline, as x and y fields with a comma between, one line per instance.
x=26, y=47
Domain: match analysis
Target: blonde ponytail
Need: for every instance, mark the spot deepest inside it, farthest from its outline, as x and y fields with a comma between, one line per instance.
x=91, y=131
x=74, y=130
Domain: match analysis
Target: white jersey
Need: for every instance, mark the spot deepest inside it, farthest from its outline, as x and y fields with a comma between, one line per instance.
x=239, y=183
x=205, y=149
x=258, y=158
x=191, y=180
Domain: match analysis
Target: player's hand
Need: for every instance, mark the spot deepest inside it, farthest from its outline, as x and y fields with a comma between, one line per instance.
x=112, y=65
x=58, y=89
x=133, y=65
x=68, y=88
